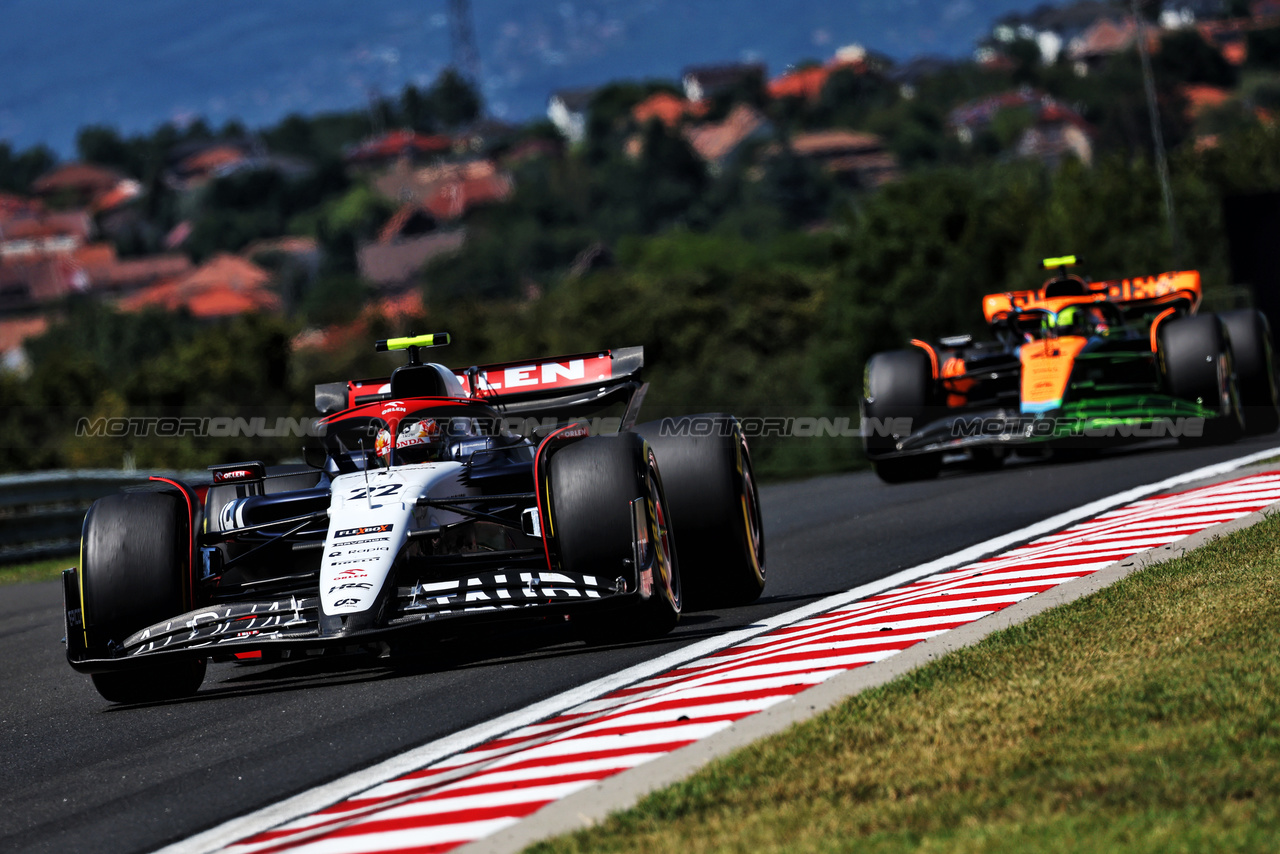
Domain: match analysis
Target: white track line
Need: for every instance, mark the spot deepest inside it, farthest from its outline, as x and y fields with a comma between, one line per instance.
x=313, y=800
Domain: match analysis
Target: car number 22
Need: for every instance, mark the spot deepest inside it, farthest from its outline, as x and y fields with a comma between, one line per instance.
x=375, y=491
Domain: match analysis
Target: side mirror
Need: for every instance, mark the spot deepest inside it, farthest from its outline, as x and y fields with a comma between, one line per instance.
x=314, y=455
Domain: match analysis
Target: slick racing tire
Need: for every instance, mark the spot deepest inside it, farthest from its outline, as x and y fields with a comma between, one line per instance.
x=714, y=504
x=1250, y=336
x=133, y=553
x=1195, y=361
x=592, y=485
x=899, y=385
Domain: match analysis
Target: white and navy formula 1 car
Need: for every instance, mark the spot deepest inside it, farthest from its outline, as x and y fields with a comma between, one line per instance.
x=423, y=511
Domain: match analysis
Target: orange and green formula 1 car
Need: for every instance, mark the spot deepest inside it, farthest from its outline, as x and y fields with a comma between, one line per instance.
x=1073, y=364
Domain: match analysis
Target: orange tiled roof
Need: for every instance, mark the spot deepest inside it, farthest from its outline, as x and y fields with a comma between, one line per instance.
x=211, y=160
x=1201, y=97
x=94, y=257
x=13, y=332
x=666, y=108
x=125, y=191
x=224, y=285
x=138, y=272
x=74, y=224
x=290, y=244
x=802, y=83
x=83, y=177
x=452, y=199
x=713, y=142
x=399, y=142
x=407, y=304
x=835, y=141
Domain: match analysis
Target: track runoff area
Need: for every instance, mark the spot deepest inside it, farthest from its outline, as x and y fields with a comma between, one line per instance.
x=476, y=787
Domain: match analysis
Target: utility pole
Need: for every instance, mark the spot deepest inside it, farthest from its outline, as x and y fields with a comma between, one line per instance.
x=1162, y=163
x=466, y=58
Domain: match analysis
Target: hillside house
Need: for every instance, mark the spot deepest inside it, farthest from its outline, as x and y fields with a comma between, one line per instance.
x=855, y=159
x=567, y=110
x=709, y=81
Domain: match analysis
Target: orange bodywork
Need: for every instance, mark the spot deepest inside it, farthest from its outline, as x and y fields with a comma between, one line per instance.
x=955, y=382
x=1046, y=367
x=933, y=354
x=1165, y=287
x=1155, y=327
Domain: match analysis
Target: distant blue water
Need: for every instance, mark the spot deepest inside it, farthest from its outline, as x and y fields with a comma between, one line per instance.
x=137, y=63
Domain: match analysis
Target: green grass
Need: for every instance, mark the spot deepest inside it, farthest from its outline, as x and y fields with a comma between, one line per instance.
x=1145, y=718
x=44, y=570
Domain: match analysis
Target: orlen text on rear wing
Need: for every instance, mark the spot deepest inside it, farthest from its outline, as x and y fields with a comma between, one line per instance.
x=583, y=380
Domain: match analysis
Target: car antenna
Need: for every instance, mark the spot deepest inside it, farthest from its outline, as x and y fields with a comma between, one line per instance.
x=367, y=489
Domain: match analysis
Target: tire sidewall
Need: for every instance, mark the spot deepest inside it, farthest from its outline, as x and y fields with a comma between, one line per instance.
x=132, y=564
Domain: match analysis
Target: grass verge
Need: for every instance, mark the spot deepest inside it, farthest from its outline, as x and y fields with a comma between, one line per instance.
x=1143, y=718
x=44, y=570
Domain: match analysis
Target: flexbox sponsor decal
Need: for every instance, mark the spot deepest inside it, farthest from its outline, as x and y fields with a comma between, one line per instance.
x=360, y=532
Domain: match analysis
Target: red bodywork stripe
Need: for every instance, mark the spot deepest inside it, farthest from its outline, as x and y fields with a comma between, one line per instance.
x=537, y=491
x=191, y=535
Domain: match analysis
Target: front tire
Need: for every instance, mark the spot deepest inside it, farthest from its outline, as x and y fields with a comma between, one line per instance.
x=134, y=553
x=593, y=484
x=715, y=505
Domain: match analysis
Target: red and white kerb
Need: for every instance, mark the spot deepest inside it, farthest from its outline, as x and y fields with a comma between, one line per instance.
x=485, y=789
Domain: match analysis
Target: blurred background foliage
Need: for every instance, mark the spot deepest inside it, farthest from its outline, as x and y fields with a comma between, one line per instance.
x=758, y=287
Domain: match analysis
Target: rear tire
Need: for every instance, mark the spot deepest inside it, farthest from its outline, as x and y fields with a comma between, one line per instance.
x=134, y=552
x=1250, y=336
x=592, y=485
x=1195, y=360
x=899, y=385
x=715, y=505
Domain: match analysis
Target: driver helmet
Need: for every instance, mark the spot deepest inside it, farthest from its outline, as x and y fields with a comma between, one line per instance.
x=421, y=440
x=1088, y=319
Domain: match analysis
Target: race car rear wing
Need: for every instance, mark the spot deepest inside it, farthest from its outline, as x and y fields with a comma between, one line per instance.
x=560, y=380
x=1163, y=288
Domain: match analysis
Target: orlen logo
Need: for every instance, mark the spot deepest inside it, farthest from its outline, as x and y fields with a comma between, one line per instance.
x=544, y=375
x=237, y=474
x=573, y=431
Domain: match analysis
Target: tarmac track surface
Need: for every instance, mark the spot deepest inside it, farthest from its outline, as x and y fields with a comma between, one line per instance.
x=80, y=775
